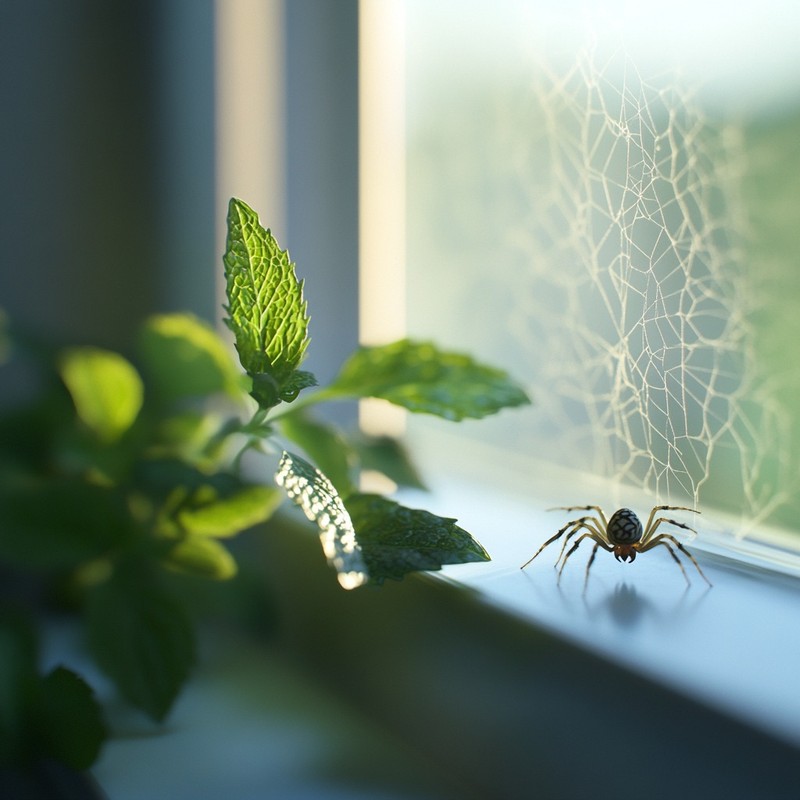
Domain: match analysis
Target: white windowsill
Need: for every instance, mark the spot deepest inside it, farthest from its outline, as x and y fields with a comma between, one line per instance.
x=735, y=646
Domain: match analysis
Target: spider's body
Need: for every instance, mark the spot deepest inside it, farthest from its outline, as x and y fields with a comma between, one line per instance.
x=624, y=531
x=622, y=534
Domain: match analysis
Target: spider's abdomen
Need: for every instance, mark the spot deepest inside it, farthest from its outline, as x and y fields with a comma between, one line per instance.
x=624, y=527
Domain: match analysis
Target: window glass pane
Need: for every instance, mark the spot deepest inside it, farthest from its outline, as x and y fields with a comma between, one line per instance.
x=606, y=205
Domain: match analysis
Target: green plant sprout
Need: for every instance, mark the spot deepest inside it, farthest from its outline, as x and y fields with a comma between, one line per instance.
x=124, y=473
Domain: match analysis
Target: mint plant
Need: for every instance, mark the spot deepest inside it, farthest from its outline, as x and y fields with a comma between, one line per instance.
x=127, y=471
x=268, y=317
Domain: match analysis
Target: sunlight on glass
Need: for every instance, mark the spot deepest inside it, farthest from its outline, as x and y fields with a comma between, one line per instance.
x=382, y=233
x=598, y=198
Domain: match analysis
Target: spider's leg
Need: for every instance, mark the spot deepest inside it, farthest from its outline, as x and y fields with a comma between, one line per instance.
x=590, y=524
x=650, y=529
x=590, y=534
x=663, y=538
x=583, y=508
x=589, y=565
x=575, y=523
x=677, y=561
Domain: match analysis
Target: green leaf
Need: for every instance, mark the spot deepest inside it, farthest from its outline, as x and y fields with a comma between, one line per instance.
x=324, y=445
x=106, y=389
x=297, y=381
x=160, y=477
x=70, y=720
x=18, y=687
x=142, y=638
x=184, y=357
x=315, y=494
x=206, y=558
x=386, y=455
x=52, y=717
x=266, y=310
x=196, y=437
x=61, y=524
x=421, y=378
x=227, y=516
x=396, y=540
x=268, y=391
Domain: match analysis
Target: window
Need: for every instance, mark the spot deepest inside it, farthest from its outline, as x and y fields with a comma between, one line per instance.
x=603, y=224
x=608, y=227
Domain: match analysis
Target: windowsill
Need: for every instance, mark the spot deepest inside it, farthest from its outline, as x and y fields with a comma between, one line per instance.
x=734, y=646
x=510, y=688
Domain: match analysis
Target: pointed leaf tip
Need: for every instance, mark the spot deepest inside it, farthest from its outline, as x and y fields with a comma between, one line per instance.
x=266, y=309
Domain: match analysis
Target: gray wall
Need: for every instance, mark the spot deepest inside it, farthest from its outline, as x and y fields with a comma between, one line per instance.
x=107, y=166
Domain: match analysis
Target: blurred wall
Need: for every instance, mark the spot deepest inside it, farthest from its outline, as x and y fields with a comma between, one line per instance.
x=107, y=164
x=78, y=145
x=322, y=171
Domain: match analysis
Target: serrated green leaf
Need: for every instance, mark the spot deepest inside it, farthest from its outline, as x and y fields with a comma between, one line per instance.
x=313, y=492
x=184, y=357
x=142, y=637
x=201, y=556
x=324, y=444
x=70, y=720
x=106, y=389
x=422, y=378
x=396, y=540
x=228, y=515
x=266, y=310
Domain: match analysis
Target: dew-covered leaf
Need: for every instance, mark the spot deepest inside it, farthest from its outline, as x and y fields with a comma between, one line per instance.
x=316, y=496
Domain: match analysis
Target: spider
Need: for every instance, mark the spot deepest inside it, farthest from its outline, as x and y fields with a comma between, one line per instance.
x=621, y=535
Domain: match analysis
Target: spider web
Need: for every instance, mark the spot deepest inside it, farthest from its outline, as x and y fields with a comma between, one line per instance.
x=635, y=312
x=585, y=226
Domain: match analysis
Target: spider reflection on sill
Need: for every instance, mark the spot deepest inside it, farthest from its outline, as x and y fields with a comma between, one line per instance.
x=627, y=608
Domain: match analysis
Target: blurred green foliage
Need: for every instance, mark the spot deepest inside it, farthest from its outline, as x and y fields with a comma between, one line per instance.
x=122, y=488
x=771, y=178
